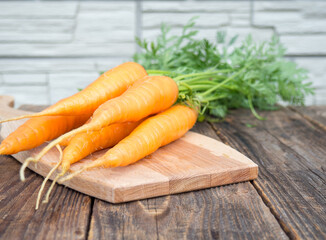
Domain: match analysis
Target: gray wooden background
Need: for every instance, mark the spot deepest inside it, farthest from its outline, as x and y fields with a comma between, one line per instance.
x=48, y=49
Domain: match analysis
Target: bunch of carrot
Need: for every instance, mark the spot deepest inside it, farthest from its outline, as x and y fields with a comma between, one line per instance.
x=124, y=109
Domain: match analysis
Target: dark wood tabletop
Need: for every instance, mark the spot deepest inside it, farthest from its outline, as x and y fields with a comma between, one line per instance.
x=287, y=201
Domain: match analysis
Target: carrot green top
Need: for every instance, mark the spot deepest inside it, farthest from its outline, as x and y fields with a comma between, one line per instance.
x=220, y=75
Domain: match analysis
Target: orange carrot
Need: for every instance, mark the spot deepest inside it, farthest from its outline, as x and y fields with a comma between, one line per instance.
x=153, y=133
x=109, y=85
x=83, y=144
x=36, y=131
x=65, y=142
x=148, y=96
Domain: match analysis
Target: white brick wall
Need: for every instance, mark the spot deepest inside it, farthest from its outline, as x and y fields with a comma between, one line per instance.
x=48, y=49
x=24, y=79
x=66, y=84
x=301, y=26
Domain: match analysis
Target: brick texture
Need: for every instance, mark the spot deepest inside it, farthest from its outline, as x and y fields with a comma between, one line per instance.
x=65, y=84
x=49, y=49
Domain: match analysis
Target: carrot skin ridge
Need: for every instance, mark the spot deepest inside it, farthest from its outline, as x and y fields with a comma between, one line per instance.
x=155, y=132
x=151, y=134
x=148, y=96
x=109, y=85
x=36, y=131
x=65, y=142
x=83, y=144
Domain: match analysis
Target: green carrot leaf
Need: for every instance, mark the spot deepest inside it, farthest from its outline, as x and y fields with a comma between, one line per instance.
x=221, y=75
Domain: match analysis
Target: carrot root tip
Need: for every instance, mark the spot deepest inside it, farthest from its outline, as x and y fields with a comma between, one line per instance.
x=47, y=178
x=47, y=196
x=23, y=167
x=18, y=118
x=70, y=176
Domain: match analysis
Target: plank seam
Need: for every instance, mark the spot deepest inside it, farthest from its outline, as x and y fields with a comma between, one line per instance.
x=88, y=225
x=309, y=119
x=289, y=231
x=156, y=221
x=298, y=155
x=218, y=134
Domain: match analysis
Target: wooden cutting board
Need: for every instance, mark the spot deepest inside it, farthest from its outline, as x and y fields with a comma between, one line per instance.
x=190, y=163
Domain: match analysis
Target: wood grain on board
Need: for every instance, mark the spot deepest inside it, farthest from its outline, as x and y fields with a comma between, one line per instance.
x=193, y=162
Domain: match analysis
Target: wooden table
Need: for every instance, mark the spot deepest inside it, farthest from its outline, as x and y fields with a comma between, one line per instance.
x=288, y=200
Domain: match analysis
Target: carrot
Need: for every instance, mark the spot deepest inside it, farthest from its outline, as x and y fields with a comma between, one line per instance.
x=65, y=142
x=148, y=96
x=83, y=144
x=109, y=85
x=153, y=133
x=36, y=131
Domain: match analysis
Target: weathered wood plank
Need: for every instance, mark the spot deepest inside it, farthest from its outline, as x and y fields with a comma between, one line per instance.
x=290, y=152
x=314, y=114
x=122, y=221
x=66, y=216
x=230, y=212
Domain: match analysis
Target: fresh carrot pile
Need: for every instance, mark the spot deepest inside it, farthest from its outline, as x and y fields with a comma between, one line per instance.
x=135, y=113
x=127, y=110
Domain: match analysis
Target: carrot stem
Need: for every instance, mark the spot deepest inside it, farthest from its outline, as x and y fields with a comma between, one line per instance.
x=222, y=83
x=158, y=72
x=187, y=87
x=220, y=96
x=253, y=109
x=200, y=74
x=202, y=80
